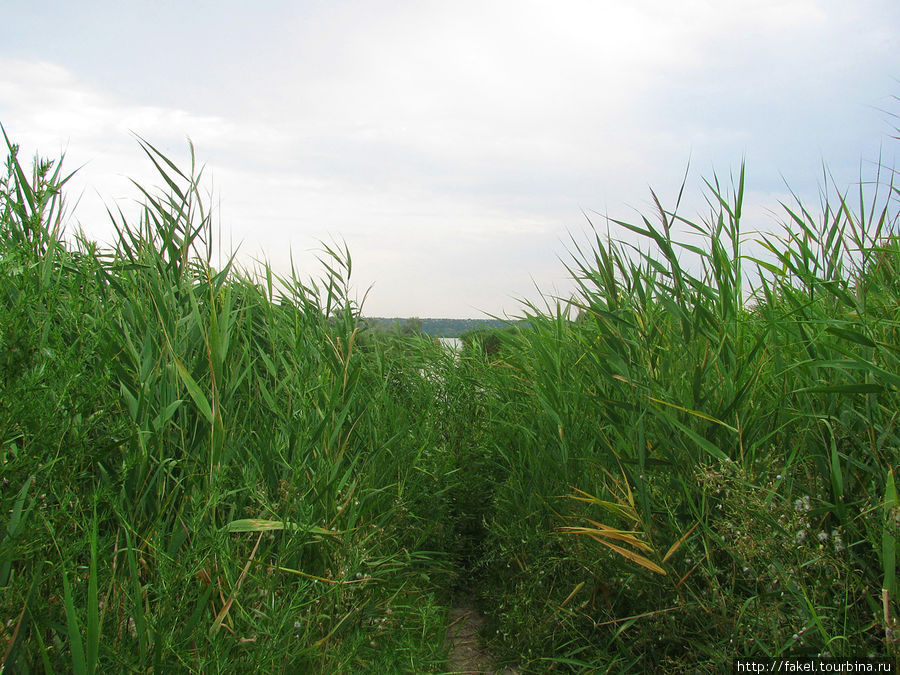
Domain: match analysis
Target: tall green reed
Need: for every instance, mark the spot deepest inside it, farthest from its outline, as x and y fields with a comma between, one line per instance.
x=698, y=385
x=223, y=402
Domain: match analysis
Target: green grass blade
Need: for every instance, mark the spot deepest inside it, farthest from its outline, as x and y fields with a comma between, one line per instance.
x=17, y=519
x=888, y=540
x=79, y=665
x=852, y=388
x=136, y=597
x=92, y=637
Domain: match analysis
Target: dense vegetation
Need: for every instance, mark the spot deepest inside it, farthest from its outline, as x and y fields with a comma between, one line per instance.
x=216, y=470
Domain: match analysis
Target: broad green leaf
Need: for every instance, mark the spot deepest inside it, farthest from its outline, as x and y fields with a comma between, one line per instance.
x=851, y=335
x=163, y=418
x=194, y=390
x=699, y=440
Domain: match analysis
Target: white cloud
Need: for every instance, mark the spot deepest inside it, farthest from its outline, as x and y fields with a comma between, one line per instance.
x=445, y=137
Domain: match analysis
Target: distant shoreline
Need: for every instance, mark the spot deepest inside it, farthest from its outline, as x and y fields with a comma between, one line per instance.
x=438, y=327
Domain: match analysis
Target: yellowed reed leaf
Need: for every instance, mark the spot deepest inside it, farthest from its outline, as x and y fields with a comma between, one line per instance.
x=600, y=535
x=262, y=525
x=685, y=577
x=223, y=613
x=628, y=536
x=620, y=509
x=678, y=543
x=635, y=557
x=572, y=594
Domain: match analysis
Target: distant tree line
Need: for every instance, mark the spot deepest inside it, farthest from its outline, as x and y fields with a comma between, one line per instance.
x=432, y=327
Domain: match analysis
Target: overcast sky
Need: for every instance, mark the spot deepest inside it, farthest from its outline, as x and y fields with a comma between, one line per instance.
x=452, y=145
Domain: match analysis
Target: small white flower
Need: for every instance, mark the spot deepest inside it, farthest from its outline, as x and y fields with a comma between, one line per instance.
x=802, y=504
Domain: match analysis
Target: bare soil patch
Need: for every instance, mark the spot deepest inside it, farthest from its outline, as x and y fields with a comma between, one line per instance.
x=467, y=654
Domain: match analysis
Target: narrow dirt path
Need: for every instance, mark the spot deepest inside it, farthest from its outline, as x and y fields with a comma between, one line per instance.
x=467, y=655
